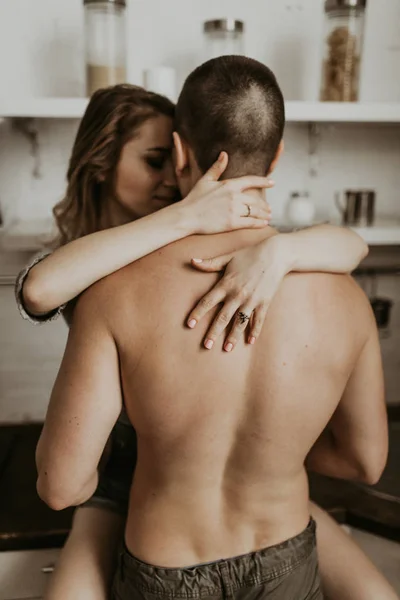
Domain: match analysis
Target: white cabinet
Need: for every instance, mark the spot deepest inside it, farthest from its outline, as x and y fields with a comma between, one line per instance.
x=24, y=574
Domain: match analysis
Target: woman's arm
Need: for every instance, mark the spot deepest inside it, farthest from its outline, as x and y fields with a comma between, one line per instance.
x=325, y=248
x=212, y=206
x=69, y=270
x=254, y=275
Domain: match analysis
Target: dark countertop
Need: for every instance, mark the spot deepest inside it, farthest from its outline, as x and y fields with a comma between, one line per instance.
x=27, y=523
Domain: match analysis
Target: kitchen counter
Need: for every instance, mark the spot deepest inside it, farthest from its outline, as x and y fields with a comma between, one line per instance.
x=27, y=523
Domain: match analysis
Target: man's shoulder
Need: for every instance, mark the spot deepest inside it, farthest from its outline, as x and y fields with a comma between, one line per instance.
x=104, y=295
x=332, y=284
x=329, y=313
x=327, y=294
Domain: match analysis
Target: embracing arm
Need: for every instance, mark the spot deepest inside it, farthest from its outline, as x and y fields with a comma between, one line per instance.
x=84, y=406
x=211, y=207
x=71, y=269
x=253, y=275
x=326, y=248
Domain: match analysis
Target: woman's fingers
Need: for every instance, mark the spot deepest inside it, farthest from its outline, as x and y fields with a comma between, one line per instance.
x=242, y=320
x=211, y=265
x=252, y=215
x=209, y=301
x=257, y=209
x=220, y=323
x=216, y=170
x=251, y=181
x=249, y=223
x=257, y=322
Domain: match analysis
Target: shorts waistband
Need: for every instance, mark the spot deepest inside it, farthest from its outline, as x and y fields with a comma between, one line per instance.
x=249, y=569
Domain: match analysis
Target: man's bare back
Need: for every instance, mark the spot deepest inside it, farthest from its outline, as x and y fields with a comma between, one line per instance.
x=222, y=438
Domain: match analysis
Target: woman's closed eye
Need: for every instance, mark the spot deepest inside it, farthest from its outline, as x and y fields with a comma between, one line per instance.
x=156, y=163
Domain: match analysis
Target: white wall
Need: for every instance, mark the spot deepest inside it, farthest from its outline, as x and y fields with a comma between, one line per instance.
x=41, y=42
x=41, y=54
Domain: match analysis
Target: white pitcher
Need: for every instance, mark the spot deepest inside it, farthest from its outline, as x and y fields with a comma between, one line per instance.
x=300, y=209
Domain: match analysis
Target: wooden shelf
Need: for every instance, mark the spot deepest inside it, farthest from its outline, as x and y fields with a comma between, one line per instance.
x=343, y=112
x=44, y=108
x=296, y=112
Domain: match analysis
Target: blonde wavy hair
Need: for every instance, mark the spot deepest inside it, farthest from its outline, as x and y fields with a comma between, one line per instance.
x=111, y=119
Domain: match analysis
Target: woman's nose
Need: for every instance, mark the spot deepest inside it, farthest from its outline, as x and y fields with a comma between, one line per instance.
x=169, y=175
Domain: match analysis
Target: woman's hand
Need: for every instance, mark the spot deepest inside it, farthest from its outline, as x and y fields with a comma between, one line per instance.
x=215, y=206
x=252, y=278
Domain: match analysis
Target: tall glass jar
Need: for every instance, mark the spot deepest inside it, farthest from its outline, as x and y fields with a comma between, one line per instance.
x=222, y=37
x=105, y=42
x=343, y=50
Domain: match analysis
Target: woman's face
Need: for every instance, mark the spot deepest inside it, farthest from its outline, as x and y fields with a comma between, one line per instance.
x=145, y=176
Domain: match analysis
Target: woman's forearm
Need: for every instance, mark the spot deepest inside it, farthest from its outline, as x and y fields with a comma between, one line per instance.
x=71, y=269
x=326, y=248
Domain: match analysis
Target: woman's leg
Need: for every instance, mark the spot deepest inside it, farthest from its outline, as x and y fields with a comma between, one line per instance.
x=87, y=562
x=346, y=572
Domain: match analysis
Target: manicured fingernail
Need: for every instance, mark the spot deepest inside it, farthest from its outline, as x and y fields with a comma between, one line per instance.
x=197, y=260
x=252, y=341
x=192, y=323
x=209, y=344
x=221, y=157
x=229, y=347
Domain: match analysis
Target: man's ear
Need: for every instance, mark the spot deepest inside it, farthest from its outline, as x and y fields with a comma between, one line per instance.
x=181, y=154
x=278, y=154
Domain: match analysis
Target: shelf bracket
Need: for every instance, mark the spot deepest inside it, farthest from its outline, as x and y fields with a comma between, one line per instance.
x=28, y=127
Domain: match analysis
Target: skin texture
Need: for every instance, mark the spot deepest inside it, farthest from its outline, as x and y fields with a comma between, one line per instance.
x=337, y=529
x=347, y=573
x=88, y=560
x=247, y=405
x=89, y=591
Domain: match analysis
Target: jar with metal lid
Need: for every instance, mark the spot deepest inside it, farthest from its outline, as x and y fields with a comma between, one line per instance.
x=223, y=36
x=343, y=50
x=105, y=43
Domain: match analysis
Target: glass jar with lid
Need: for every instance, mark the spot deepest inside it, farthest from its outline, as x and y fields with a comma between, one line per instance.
x=344, y=32
x=105, y=43
x=222, y=37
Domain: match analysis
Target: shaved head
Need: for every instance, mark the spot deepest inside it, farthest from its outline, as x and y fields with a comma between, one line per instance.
x=232, y=104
